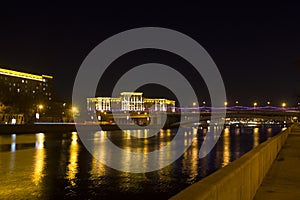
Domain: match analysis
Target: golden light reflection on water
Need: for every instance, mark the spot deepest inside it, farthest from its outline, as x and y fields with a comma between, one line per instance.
x=255, y=137
x=195, y=159
x=72, y=167
x=98, y=169
x=237, y=131
x=39, y=159
x=226, y=147
x=269, y=132
x=191, y=156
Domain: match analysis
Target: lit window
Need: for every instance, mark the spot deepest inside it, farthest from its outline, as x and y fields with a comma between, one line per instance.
x=18, y=90
x=37, y=87
x=22, y=81
x=14, y=84
x=33, y=91
x=50, y=98
x=44, y=89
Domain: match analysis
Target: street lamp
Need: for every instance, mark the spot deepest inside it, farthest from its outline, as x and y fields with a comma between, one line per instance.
x=225, y=103
x=236, y=102
x=268, y=102
x=75, y=112
x=38, y=110
x=283, y=106
x=254, y=104
x=74, y=109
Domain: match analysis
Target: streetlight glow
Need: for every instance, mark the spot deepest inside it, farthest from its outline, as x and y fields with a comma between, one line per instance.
x=255, y=104
x=74, y=109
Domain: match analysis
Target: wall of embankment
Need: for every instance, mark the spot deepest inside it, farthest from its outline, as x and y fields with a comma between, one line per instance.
x=240, y=179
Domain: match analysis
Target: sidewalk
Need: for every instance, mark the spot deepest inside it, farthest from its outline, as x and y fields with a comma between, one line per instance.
x=283, y=179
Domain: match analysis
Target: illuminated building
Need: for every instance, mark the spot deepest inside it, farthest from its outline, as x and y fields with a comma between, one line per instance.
x=25, y=91
x=129, y=101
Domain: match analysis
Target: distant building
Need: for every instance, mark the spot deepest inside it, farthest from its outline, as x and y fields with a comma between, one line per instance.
x=130, y=101
x=24, y=91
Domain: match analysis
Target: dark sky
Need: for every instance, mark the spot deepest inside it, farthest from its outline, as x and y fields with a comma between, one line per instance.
x=257, y=50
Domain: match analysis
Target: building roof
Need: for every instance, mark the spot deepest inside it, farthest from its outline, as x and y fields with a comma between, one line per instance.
x=131, y=93
x=13, y=73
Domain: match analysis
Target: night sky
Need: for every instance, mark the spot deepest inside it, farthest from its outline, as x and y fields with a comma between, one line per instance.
x=257, y=50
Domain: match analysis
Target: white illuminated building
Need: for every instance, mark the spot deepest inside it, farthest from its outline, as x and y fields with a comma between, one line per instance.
x=130, y=101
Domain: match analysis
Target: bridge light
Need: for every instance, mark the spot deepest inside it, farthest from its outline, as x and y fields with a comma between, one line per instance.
x=225, y=103
x=268, y=102
x=283, y=104
x=203, y=102
x=236, y=102
x=255, y=104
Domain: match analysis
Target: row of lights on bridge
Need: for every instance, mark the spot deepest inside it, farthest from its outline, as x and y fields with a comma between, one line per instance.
x=255, y=104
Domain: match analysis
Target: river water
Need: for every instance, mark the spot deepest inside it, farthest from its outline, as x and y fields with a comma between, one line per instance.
x=57, y=165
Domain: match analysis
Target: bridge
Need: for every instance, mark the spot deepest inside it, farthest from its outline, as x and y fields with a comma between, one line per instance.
x=236, y=115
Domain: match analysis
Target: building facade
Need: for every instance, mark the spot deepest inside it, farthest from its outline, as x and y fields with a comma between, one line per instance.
x=130, y=101
x=24, y=92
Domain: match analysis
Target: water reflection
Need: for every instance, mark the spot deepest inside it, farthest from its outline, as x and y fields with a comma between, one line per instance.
x=98, y=169
x=13, y=143
x=255, y=137
x=39, y=159
x=226, y=147
x=78, y=174
x=72, y=167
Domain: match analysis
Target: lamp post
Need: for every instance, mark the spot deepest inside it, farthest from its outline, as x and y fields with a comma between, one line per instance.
x=194, y=106
x=283, y=105
x=225, y=104
x=38, y=111
x=254, y=104
x=74, y=112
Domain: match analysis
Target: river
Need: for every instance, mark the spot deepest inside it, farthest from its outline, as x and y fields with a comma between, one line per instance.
x=57, y=165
